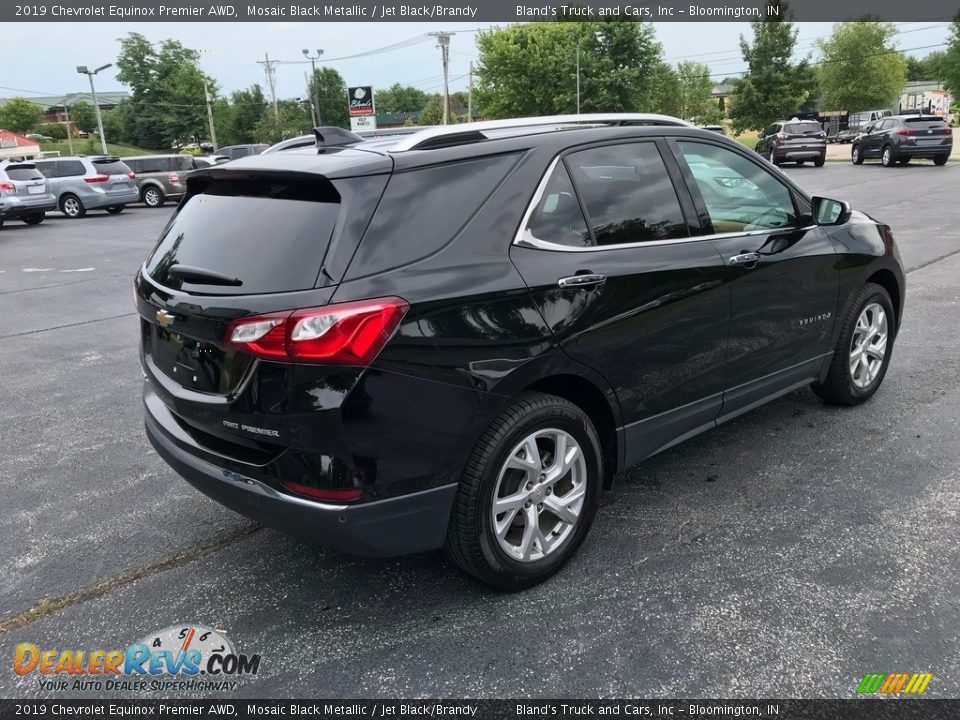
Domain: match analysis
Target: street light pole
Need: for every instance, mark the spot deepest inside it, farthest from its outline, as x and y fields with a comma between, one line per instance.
x=312, y=88
x=578, y=76
x=82, y=69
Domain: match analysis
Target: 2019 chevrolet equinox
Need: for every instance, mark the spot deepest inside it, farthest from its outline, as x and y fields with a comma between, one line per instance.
x=457, y=337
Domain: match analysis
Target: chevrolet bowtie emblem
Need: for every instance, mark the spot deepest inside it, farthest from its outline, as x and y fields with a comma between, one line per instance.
x=164, y=319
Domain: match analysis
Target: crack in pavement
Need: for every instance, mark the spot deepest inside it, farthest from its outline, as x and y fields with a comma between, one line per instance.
x=48, y=606
x=69, y=325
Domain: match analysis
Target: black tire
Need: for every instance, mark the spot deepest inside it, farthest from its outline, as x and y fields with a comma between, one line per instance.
x=772, y=157
x=115, y=209
x=855, y=155
x=471, y=538
x=941, y=159
x=34, y=218
x=904, y=161
x=72, y=207
x=887, y=156
x=152, y=196
x=838, y=387
x=820, y=161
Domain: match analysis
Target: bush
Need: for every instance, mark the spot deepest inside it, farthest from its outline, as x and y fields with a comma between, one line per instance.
x=54, y=130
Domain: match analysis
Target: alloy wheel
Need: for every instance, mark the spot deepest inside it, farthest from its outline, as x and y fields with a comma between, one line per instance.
x=539, y=495
x=71, y=207
x=152, y=197
x=868, y=346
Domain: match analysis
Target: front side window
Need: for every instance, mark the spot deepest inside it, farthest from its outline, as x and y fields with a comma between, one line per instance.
x=627, y=194
x=739, y=195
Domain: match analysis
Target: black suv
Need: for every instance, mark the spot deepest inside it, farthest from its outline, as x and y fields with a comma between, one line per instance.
x=459, y=336
x=901, y=138
x=793, y=141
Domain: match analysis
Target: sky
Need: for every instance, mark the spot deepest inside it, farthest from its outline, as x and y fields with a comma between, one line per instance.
x=230, y=51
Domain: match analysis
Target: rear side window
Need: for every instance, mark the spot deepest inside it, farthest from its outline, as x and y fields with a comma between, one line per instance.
x=71, y=168
x=24, y=173
x=627, y=194
x=557, y=218
x=271, y=235
x=181, y=163
x=424, y=209
x=111, y=167
x=48, y=169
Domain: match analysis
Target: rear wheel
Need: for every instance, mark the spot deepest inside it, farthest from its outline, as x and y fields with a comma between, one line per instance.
x=863, y=349
x=34, y=218
x=941, y=159
x=820, y=161
x=114, y=209
x=887, y=158
x=855, y=157
x=71, y=206
x=528, y=493
x=153, y=197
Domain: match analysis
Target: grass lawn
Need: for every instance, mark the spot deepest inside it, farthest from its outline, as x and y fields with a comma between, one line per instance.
x=747, y=139
x=88, y=147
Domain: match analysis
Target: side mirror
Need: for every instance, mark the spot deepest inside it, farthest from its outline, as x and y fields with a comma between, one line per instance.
x=830, y=212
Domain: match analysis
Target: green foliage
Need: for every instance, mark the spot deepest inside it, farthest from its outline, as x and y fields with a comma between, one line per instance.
x=926, y=68
x=665, y=90
x=400, y=99
x=83, y=115
x=530, y=69
x=433, y=111
x=20, y=115
x=236, y=120
x=860, y=69
x=293, y=119
x=694, y=88
x=116, y=122
x=54, y=130
x=949, y=65
x=774, y=87
x=331, y=93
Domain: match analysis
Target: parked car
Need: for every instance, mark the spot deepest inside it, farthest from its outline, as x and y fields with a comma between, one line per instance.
x=89, y=183
x=794, y=141
x=849, y=134
x=38, y=137
x=902, y=138
x=200, y=161
x=24, y=193
x=161, y=177
x=238, y=151
x=457, y=339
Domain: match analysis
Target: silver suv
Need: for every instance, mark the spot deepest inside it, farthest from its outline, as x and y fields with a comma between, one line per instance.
x=24, y=193
x=161, y=177
x=89, y=183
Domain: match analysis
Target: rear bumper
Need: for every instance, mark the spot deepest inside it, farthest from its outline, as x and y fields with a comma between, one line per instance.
x=811, y=154
x=17, y=207
x=923, y=151
x=102, y=200
x=406, y=524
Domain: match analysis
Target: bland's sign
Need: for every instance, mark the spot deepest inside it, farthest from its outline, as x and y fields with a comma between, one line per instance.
x=361, y=100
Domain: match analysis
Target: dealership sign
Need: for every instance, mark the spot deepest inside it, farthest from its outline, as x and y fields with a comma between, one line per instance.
x=361, y=100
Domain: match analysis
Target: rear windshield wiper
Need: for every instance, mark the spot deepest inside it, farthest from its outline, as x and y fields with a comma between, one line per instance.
x=201, y=275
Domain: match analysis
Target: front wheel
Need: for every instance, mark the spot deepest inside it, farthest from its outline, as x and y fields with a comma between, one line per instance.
x=862, y=354
x=34, y=218
x=528, y=493
x=855, y=156
x=115, y=209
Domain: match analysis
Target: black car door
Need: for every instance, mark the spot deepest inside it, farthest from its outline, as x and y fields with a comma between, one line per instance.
x=609, y=252
x=870, y=144
x=781, y=268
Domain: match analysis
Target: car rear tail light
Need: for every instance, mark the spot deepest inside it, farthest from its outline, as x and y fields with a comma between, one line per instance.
x=8, y=186
x=132, y=175
x=97, y=179
x=315, y=493
x=173, y=179
x=781, y=137
x=906, y=131
x=351, y=333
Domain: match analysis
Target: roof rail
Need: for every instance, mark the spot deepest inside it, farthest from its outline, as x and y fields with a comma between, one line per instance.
x=446, y=135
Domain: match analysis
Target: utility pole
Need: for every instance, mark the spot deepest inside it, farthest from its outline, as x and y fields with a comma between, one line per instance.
x=312, y=87
x=443, y=42
x=213, y=130
x=269, y=68
x=578, y=76
x=313, y=114
x=66, y=115
x=470, y=95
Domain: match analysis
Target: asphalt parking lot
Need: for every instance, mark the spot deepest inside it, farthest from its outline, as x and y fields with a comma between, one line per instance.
x=785, y=554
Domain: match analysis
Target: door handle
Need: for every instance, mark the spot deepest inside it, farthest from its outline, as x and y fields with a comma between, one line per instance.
x=582, y=281
x=748, y=260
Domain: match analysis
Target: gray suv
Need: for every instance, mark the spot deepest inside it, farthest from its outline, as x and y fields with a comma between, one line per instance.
x=161, y=177
x=24, y=193
x=794, y=141
x=902, y=138
x=89, y=183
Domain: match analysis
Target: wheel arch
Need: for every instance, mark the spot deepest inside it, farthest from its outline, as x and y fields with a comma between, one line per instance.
x=151, y=184
x=888, y=281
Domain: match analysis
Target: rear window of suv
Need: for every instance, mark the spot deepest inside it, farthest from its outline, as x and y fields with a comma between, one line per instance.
x=802, y=128
x=111, y=167
x=924, y=123
x=24, y=173
x=269, y=234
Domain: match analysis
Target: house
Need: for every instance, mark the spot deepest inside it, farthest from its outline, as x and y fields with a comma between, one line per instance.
x=14, y=146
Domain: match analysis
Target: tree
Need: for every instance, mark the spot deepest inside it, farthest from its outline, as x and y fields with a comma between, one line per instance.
x=774, y=86
x=530, y=69
x=294, y=119
x=400, y=99
x=694, y=89
x=950, y=61
x=83, y=116
x=20, y=115
x=665, y=90
x=859, y=67
x=331, y=93
x=433, y=110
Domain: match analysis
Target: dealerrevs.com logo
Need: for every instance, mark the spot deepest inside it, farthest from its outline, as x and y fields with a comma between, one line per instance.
x=178, y=658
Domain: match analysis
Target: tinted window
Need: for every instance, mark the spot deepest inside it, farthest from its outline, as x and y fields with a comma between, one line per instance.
x=110, y=167
x=627, y=194
x=181, y=163
x=272, y=236
x=48, y=169
x=802, y=128
x=557, y=218
x=924, y=123
x=23, y=173
x=739, y=195
x=424, y=209
x=70, y=168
